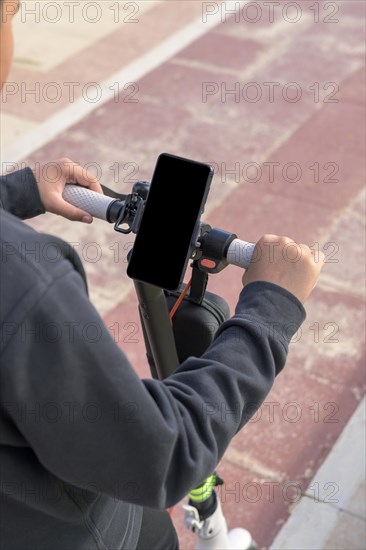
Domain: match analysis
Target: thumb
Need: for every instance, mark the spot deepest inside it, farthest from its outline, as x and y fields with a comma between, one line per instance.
x=67, y=210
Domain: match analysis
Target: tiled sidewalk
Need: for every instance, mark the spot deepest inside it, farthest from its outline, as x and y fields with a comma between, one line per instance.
x=278, y=107
x=336, y=519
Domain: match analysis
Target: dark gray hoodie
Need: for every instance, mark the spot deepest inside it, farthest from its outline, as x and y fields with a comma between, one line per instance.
x=84, y=443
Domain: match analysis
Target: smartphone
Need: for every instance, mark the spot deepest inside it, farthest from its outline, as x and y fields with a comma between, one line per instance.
x=170, y=223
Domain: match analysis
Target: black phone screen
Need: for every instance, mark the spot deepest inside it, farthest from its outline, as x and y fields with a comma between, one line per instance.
x=176, y=199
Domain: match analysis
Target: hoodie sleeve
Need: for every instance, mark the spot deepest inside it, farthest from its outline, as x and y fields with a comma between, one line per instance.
x=19, y=194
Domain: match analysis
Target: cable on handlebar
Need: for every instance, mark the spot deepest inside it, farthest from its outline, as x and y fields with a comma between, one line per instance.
x=180, y=300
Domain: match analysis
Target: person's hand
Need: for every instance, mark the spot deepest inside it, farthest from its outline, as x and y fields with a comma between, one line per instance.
x=281, y=261
x=52, y=178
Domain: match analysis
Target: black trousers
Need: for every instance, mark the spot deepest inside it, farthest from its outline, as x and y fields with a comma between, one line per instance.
x=157, y=531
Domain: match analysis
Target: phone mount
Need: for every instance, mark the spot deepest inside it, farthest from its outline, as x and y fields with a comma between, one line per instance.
x=130, y=214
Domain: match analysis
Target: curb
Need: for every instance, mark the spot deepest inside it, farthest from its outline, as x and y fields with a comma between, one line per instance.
x=330, y=515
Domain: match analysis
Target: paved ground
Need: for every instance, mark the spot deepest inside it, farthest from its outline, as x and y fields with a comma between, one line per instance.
x=274, y=97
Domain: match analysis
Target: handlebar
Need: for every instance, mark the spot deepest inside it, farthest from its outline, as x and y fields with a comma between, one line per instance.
x=94, y=203
x=239, y=252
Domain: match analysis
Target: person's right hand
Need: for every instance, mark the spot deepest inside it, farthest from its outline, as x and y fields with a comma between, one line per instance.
x=281, y=261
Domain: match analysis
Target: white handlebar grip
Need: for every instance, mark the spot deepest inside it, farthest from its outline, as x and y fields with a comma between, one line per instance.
x=90, y=201
x=240, y=253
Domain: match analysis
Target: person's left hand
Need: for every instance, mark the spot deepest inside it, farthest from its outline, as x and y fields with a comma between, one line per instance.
x=52, y=178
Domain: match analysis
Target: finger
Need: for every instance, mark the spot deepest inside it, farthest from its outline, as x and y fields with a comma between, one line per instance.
x=317, y=255
x=67, y=210
x=79, y=175
x=322, y=257
x=305, y=248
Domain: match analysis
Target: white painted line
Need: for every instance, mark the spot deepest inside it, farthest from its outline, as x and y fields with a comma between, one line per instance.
x=313, y=519
x=76, y=111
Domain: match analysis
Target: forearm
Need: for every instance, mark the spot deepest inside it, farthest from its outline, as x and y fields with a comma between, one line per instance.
x=19, y=194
